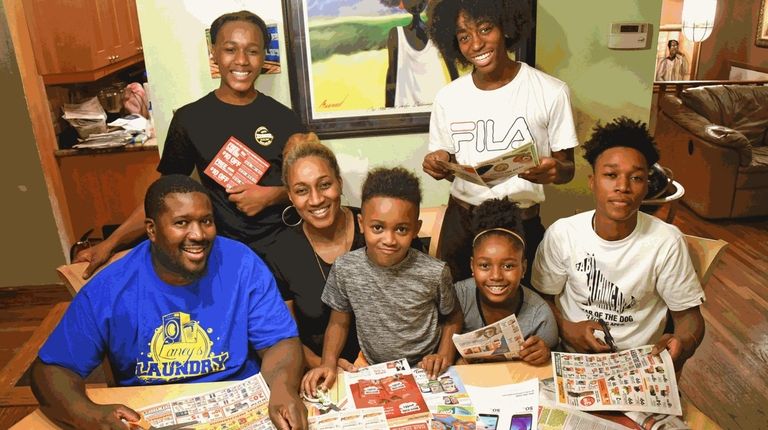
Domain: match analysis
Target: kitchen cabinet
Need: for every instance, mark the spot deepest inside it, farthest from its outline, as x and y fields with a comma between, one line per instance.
x=83, y=40
x=105, y=186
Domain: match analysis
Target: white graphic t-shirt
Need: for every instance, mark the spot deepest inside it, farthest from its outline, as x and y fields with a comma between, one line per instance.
x=478, y=125
x=629, y=283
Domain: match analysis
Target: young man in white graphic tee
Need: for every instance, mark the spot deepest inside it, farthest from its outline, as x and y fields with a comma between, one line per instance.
x=500, y=106
x=618, y=264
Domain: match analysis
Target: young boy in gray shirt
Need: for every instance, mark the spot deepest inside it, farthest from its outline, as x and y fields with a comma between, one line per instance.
x=403, y=300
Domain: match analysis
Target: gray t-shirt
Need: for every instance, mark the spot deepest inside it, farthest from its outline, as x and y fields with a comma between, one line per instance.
x=396, y=308
x=535, y=316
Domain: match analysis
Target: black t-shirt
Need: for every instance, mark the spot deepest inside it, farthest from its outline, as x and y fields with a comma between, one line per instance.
x=297, y=271
x=197, y=132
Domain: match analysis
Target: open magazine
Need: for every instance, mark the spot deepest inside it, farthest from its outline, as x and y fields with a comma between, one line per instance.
x=493, y=171
x=499, y=341
x=630, y=380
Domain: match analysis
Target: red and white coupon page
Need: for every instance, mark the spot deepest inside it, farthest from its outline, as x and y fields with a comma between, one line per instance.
x=236, y=164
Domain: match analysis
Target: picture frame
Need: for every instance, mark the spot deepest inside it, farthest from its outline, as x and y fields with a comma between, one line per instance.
x=322, y=82
x=761, y=36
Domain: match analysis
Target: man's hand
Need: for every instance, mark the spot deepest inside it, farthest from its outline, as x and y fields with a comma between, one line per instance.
x=431, y=166
x=322, y=377
x=251, y=198
x=581, y=336
x=544, y=173
x=286, y=410
x=535, y=351
x=105, y=417
x=435, y=365
x=96, y=256
x=674, y=345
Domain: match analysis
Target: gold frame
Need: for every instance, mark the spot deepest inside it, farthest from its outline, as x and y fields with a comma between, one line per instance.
x=761, y=36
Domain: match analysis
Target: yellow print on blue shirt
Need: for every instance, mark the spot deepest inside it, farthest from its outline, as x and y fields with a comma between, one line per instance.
x=180, y=348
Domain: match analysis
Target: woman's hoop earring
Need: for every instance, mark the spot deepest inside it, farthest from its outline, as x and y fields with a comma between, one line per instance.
x=282, y=217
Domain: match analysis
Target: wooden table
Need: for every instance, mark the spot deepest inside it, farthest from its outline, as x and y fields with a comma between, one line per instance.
x=482, y=375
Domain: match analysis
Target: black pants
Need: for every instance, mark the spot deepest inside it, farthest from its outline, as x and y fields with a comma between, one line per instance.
x=456, y=241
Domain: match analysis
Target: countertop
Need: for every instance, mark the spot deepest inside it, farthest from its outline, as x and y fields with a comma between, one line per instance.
x=150, y=145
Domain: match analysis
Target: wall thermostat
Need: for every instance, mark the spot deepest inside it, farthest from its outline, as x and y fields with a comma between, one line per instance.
x=628, y=35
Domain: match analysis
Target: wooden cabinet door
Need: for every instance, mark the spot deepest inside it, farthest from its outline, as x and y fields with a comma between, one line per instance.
x=67, y=36
x=75, y=36
x=128, y=28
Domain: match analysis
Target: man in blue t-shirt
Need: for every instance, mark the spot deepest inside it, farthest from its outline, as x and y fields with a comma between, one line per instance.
x=184, y=306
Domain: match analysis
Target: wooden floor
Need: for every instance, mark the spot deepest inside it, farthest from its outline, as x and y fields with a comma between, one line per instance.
x=727, y=378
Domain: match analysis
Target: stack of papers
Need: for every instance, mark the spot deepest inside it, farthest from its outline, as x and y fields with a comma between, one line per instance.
x=87, y=117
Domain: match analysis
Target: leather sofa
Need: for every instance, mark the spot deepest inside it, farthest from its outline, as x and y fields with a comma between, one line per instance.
x=713, y=138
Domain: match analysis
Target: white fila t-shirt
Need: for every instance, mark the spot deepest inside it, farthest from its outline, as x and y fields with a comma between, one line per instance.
x=629, y=283
x=478, y=125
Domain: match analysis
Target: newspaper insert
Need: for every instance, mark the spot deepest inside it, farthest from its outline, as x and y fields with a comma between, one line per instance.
x=390, y=385
x=499, y=341
x=553, y=418
x=491, y=172
x=631, y=380
x=364, y=419
x=241, y=406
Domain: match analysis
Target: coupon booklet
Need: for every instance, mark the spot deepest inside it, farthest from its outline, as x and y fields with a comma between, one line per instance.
x=631, y=380
x=236, y=164
x=499, y=341
x=493, y=171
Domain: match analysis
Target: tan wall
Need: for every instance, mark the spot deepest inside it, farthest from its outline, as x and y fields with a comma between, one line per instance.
x=671, y=12
x=30, y=242
x=732, y=39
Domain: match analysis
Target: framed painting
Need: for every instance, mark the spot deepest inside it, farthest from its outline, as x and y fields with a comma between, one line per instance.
x=340, y=54
x=761, y=38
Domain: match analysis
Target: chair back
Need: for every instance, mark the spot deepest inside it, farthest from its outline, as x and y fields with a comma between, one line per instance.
x=72, y=274
x=72, y=277
x=431, y=225
x=705, y=253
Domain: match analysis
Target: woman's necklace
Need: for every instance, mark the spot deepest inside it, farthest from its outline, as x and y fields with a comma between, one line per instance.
x=314, y=251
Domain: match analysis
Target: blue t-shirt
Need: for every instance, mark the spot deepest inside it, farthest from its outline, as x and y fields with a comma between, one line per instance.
x=155, y=333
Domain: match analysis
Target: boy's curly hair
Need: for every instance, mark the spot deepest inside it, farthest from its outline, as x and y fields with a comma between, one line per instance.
x=501, y=214
x=512, y=16
x=395, y=182
x=621, y=132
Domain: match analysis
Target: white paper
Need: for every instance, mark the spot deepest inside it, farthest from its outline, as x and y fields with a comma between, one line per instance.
x=507, y=401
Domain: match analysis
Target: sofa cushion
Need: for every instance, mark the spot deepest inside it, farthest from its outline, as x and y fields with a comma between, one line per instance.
x=743, y=108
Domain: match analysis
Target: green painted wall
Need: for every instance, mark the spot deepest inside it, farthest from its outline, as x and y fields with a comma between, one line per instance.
x=571, y=45
x=31, y=247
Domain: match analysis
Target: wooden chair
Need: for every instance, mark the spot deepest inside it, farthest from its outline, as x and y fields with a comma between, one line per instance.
x=705, y=253
x=431, y=225
x=72, y=276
